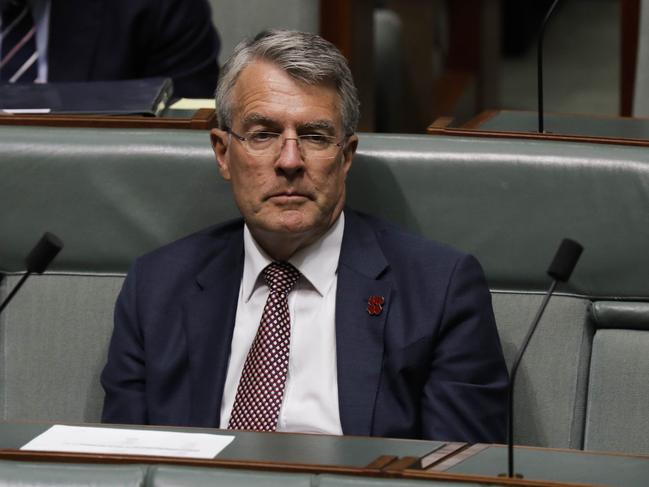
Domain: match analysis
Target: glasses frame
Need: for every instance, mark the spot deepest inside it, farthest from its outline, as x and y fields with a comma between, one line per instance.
x=243, y=139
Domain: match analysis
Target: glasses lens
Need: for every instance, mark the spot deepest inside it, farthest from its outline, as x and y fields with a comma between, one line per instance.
x=318, y=146
x=262, y=142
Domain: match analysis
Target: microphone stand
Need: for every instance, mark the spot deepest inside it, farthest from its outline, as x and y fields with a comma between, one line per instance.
x=37, y=261
x=561, y=267
x=512, y=379
x=14, y=291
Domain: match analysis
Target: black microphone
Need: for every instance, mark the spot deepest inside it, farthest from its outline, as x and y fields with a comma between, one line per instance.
x=562, y=265
x=539, y=63
x=37, y=261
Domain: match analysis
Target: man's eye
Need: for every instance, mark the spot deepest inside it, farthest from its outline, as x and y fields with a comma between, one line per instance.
x=316, y=139
x=261, y=136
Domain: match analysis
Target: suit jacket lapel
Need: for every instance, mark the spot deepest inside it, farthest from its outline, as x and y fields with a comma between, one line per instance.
x=209, y=321
x=73, y=32
x=359, y=335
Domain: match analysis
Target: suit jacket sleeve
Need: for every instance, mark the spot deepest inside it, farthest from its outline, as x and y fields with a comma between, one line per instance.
x=466, y=389
x=123, y=377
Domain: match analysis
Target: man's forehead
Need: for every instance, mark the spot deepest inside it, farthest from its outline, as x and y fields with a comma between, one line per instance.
x=262, y=68
x=263, y=91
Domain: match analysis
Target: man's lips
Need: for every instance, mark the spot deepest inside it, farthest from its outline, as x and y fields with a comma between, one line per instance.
x=288, y=196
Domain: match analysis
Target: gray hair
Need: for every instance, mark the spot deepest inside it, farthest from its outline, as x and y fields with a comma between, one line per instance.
x=306, y=57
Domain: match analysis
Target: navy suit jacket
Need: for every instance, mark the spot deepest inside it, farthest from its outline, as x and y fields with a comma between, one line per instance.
x=94, y=40
x=428, y=366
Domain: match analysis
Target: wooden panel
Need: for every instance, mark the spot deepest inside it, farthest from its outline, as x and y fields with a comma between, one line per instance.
x=349, y=25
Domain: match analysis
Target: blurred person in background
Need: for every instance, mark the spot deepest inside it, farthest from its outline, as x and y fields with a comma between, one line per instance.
x=101, y=40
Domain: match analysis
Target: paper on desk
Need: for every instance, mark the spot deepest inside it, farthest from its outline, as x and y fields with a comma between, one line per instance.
x=25, y=111
x=79, y=439
x=192, y=103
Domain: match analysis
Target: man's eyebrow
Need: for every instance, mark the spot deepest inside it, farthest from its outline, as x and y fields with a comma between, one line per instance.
x=258, y=119
x=327, y=125
x=263, y=120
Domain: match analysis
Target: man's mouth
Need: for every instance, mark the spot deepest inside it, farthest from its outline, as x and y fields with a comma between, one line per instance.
x=288, y=196
x=288, y=199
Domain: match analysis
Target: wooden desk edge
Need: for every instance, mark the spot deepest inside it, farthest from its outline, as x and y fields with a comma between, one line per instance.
x=437, y=470
x=372, y=470
x=466, y=132
x=385, y=466
x=203, y=119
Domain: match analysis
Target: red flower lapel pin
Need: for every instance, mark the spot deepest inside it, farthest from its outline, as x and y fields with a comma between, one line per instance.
x=375, y=305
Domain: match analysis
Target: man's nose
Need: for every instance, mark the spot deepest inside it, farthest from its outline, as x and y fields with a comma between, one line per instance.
x=290, y=158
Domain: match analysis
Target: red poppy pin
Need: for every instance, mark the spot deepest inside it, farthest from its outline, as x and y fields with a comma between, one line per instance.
x=375, y=305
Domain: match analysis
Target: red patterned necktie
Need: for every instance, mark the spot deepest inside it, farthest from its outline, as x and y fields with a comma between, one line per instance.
x=18, y=59
x=261, y=387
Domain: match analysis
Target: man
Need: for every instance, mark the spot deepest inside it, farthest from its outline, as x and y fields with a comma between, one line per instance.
x=375, y=331
x=99, y=40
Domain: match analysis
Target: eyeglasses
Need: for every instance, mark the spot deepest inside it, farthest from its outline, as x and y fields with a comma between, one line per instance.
x=270, y=144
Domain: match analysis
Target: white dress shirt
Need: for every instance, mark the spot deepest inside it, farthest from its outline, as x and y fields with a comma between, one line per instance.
x=310, y=403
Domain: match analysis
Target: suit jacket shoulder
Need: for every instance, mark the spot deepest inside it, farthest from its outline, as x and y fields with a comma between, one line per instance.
x=399, y=247
x=197, y=249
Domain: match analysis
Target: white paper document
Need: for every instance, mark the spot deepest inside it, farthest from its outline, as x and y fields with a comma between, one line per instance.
x=81, y=439
x=192, y=103
x=25, y=111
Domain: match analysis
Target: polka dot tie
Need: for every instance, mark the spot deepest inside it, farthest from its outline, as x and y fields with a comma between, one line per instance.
x=261, y=387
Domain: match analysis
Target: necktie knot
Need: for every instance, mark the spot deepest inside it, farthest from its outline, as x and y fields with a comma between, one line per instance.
x=280, y=277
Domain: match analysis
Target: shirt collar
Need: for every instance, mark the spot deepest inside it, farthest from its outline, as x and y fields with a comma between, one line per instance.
x=318, y=262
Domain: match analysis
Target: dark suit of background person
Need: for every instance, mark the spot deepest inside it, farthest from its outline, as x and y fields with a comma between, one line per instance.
x=427, y=365
x=93, y=40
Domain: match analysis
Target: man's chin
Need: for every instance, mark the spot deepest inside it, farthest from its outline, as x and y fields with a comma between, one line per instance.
x=295, y=221
x=288, y=222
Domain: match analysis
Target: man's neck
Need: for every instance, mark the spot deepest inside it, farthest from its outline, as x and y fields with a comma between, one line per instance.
x=282, y=247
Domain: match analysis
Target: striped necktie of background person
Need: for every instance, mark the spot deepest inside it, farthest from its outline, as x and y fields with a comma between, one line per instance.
x=19, y=56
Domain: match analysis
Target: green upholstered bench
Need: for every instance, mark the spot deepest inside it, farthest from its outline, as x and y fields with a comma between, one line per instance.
x=43, y=474
x=113, y=194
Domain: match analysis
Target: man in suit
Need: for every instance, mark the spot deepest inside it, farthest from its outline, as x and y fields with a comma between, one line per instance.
x=99, y=40
x=376, y=332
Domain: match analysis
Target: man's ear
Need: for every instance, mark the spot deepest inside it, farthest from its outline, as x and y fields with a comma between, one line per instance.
x=349, y=151
x=219, y=140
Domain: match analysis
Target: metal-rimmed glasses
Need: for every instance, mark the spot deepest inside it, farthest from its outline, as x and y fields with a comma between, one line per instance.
x=260, y=143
